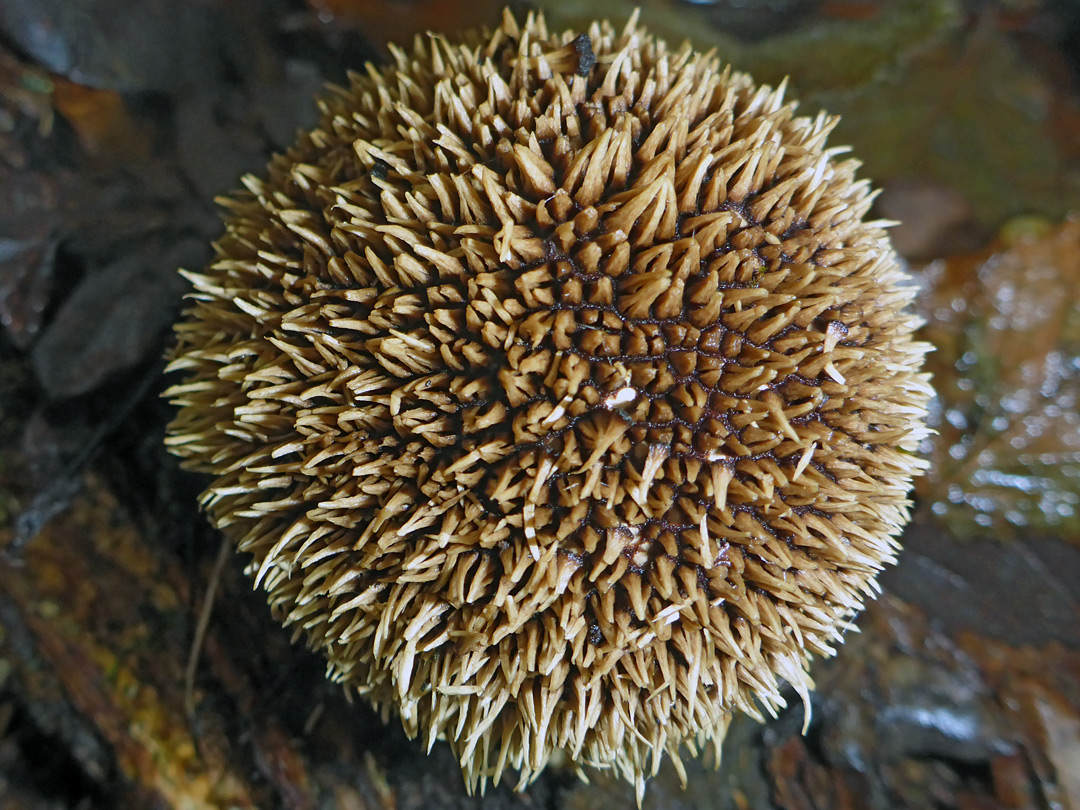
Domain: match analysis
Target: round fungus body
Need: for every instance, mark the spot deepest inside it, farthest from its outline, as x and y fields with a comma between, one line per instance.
x=559, y=392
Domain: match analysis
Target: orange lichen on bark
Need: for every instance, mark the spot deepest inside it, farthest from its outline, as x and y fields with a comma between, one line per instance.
x=116, y=667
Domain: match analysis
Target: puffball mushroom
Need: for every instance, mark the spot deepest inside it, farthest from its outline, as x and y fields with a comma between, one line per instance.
x=560, y=393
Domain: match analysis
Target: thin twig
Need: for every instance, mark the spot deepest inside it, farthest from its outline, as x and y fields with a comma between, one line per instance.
x=200, y=630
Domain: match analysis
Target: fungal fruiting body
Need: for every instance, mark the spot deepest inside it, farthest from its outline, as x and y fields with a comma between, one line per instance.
x=559, y=393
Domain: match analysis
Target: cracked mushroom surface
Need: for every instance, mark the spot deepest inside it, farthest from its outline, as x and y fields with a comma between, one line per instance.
x=560, y=393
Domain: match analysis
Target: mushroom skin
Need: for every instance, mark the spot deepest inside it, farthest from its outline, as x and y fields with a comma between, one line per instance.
x=559, y=392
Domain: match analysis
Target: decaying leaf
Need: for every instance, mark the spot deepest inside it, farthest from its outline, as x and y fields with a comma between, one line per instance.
x=101, y=120
x=1006, y=325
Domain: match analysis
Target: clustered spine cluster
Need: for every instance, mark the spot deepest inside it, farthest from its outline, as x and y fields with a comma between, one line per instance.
x=560, y=393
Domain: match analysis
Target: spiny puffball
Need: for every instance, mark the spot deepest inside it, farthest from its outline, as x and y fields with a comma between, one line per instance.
x=559, y=392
